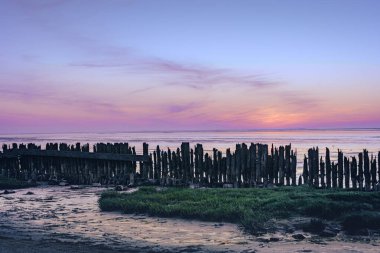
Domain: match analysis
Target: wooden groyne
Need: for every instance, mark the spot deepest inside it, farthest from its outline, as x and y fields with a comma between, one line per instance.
x=246, y=166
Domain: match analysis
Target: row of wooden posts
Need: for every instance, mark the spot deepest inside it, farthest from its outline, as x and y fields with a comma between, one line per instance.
x=246, y=166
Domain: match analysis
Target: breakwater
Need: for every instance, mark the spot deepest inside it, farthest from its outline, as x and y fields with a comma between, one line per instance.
x=249, y=165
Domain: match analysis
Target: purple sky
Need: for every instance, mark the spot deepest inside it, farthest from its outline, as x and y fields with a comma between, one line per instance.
x=118, y=65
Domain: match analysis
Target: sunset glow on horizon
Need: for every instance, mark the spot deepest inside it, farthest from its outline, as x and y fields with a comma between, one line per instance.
x=75, y=66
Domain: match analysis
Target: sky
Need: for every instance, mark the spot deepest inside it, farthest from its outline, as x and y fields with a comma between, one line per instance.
x=125, y=65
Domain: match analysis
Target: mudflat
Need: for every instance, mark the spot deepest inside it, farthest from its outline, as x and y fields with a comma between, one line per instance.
x=59, y=219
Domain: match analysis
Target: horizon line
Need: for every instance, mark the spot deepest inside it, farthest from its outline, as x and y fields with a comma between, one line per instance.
x=209, y=130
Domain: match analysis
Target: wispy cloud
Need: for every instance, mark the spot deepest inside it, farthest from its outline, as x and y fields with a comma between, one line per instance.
x=181, y=74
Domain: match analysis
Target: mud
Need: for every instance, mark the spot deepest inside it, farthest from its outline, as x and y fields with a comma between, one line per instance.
x=59, y=219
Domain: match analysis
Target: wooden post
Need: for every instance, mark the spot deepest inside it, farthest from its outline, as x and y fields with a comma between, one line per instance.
x=191, y=177
x=221, y=171
x=233, y=170
x=316, y=167
x=287, y=164
x=275, y=166
x=305, y=172
x=228, y=166
x=238, y=164
x=367, y=175
x=322, y=164
x=145, y=165
x=340, y=169
x=334, y=175
x=346, y=173
x=354, y=171
x=264, y=160
x=164, y=178
x=171, y=164
x=270, y=167
x=196, y=163
x=361, y=172
x=214, y=173
x=378, y=167
x=185, y=154
x=155, y=165
x=328, y=169
x=294, y=168
x=373, y=172
x=253, y=150
x=311, y=167
x=244, y=161
x=159, y=163
x=200, y=161
x=281, y=165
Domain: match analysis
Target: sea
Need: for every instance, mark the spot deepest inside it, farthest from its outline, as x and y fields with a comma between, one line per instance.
x=350, y=141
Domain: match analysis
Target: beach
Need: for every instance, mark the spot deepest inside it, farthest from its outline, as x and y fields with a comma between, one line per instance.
x=59, y=219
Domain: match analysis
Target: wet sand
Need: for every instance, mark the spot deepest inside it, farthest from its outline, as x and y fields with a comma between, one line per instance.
x=58, y=219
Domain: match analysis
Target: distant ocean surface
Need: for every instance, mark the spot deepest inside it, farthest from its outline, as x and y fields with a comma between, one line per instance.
x=351, y=141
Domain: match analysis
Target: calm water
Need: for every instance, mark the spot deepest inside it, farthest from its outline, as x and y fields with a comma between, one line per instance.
x=350, y=141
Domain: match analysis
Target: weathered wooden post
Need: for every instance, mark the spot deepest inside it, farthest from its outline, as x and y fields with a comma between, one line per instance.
x=233, y=170
x=322, y=166
x=334, y=171
x=253, y=150
x=361, y=172
x=378, y=167
x=221, y=171
x=170, y=161
x=264, y=165
x=294, y=168
x=287, y=164
x=244, y=161
x=275, y=166
x=159, y=163
x=367, y=175
x=155, y=165
x=228, y=166
x=340, y=169
x=201, y=162
x=354, y=171
x=328, y=169
x=238, y=164
x=311, y=166
x=373, y=172
x=164, y=178
x=305, y=173
x=346, y=173
x=281, y=165
x=196, y=163
x=214, y=173
x=316, y=166
x=185, y=153
x=145, y=165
